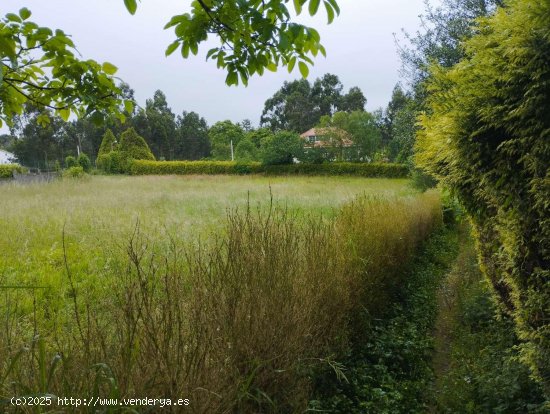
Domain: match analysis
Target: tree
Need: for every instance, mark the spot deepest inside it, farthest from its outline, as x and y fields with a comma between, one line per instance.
x=298, y=106
x=354, y=100
x=157, y=124
x=246, y=150
x=39, y=65
x=254, y=35
x=191, y=137
x=222, y=135
x=281, y=148
x=486, y=136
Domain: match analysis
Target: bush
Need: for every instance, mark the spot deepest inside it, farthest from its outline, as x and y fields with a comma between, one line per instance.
x=281, y=148
x=108, y=143
x=74, y=172
x=387, y=170
x=131, y=147
x=7, y=170
x=70, y=162
x=84, y=161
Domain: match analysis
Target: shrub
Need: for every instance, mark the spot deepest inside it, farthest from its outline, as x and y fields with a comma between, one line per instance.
x=74, y=172
x=70, y=162
x=7, y=170
x=84, y=161
x=108, y=143
x=281, y=148
x=110, y=163
x=387, y=170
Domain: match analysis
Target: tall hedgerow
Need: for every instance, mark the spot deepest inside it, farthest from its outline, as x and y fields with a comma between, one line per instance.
x=487, y=137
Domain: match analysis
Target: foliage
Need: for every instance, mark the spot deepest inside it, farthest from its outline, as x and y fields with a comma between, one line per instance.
x=84, y=161
x=191, y=137
x=70, y=161
x=246, y=150
x=254, y=36
x=222, y=134
x=7, y=170
x=362, y=131
x=191, y=167
x=487, y=138
x=388, y=365
x=156, y=123
x=39, y=66
x=108, y=143
x=386, y=170
x=111, y=163
x=298, y=105
x=281, y=148
x=74, y=172
x=477, y=365
x=133, y=147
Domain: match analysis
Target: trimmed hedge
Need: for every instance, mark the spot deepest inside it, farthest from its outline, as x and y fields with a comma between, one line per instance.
x=142, y=167
x=6, y=170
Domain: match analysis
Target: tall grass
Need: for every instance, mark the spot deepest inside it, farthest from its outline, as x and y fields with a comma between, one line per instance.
x=239, y=324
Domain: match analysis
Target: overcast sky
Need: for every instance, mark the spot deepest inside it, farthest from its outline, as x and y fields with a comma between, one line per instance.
x=360, y=50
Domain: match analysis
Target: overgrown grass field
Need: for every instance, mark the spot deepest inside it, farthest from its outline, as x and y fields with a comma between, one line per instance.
x=230, y=291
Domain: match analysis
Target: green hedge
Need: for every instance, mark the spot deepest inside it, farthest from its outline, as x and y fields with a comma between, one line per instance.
x=6, y=170
x=142, y=167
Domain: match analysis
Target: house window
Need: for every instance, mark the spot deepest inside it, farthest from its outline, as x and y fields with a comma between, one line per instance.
x=312, y=139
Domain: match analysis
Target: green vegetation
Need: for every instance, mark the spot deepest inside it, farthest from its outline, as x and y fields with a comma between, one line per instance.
x=122, y=154
x=29, y=53
x=228, y=167
x=476, y=363
x=486, y=138
x=228, y=315
x=7, y=170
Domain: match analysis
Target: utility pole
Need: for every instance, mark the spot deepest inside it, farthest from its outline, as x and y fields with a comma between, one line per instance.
x=232, y=155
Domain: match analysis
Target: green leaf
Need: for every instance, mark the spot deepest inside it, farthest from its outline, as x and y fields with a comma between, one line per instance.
x=131, y=5
x=291, y=64
x=298, y=6
x=335, y=6
x=304, y=70
x=109, y=68
x=313, y=6
x=25, y=13
x=170, y=49
x=272, y=67
x=330, y=12
x=232, y=79
x=13, y=17
x=129, y=106
x=64, y=114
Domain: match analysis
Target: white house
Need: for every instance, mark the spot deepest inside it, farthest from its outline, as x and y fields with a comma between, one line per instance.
x=6, y=157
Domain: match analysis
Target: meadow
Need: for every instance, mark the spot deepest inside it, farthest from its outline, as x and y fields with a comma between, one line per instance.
x=230, y=291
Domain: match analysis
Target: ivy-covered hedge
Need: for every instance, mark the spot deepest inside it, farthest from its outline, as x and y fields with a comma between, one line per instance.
x=6, y=170
x=142, y=167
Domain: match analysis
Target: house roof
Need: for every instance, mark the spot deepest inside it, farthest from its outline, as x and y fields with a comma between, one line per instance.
x=340, y=134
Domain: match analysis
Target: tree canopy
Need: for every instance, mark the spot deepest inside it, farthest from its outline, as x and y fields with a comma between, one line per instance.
x=298, y=105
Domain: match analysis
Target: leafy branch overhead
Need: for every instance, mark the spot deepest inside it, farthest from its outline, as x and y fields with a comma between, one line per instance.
x=40, y=66
x=254, y=35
